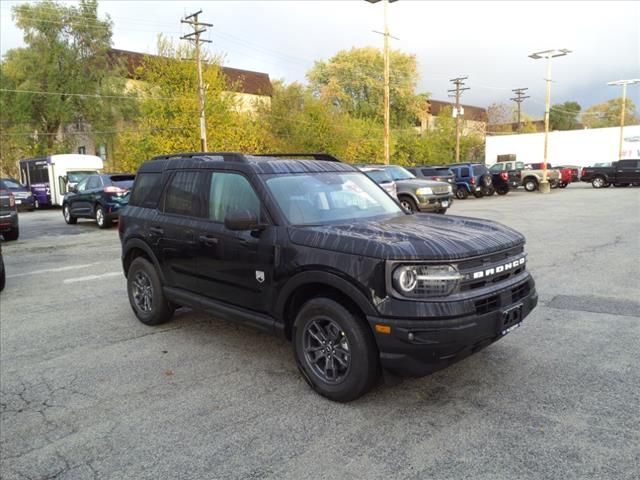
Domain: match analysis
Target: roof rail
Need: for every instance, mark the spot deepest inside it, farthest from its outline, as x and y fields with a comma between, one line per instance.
x=316, y=156
x=226, y=156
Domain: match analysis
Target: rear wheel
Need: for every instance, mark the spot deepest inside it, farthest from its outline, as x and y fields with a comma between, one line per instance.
x=598, y=182
x=502, y=190
x=462, y=193
x=334, y=350
x=101, y=218
x=66, y=213
x=408, y=204
x=563, y=185
x=478, y=194
x=146, y=296
x=530, y=184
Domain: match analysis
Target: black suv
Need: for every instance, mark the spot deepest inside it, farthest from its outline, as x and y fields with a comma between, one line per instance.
x=315, y=251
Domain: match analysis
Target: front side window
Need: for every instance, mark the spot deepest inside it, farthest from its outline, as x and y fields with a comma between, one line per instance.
x=184, y=195
x=312, y=199
x=399, y=173
x=231, y=192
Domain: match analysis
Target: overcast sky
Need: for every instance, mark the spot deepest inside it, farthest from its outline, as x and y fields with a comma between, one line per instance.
x=488, y=41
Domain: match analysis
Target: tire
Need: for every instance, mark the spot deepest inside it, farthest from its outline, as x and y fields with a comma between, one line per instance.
x=563, y=185
x=409, y=204
x=489, y=191
x=462, y=193
x=351, y=353
x=598, y=182
x=486, y=180
x=478, y=194
x=11, y=235
x=441, y=211
x=101, y=218
x=502, y=190
x=145, y=293
x=66, y=213
x=530, y=184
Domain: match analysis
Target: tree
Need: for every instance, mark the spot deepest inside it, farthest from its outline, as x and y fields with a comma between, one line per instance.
x=607, y=114
x=564, y=116
x=500, y=117
x=60, y=76
x=353, y=81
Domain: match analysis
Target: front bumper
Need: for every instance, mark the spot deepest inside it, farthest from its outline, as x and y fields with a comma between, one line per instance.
x=418, y=347
x=433, y=203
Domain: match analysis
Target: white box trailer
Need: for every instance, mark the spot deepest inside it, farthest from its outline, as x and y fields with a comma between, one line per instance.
x=49, y=178
x=582, y=148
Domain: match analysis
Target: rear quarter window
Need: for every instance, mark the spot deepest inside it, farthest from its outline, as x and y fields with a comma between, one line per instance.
x=146, y=190
x=464, y=172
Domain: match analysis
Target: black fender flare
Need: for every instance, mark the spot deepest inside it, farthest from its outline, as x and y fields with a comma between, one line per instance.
x=326, y=278
x=142, y=245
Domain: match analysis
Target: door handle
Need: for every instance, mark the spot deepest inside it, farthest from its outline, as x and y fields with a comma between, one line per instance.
x=157, y=230
x=208, y=240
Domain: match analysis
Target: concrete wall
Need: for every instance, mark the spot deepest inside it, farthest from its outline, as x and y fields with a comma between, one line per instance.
x=573, y=147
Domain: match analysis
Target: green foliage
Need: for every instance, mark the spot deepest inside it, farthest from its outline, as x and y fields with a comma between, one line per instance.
x=607, y=114
x=353, y=81
x=65, y=58
x=564, y=116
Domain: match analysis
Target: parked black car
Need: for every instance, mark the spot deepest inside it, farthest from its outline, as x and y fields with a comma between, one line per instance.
x=418, y=194
x=23, y=196
x=9, y=223
x=316, y=252
x=620, y=174
x=99, y=196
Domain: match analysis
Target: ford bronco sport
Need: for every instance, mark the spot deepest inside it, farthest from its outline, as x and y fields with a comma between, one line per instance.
x=315, y=251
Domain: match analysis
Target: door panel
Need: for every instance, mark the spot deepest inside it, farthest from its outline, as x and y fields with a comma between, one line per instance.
x=235, y=267
x=628, y=171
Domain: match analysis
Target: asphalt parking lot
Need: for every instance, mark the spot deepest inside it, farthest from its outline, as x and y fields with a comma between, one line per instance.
x=89, y=392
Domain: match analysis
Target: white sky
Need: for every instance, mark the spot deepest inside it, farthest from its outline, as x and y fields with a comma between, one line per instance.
x=488, y=41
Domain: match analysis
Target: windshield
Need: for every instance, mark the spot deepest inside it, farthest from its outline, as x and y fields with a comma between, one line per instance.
x=378, y=176
x=319, y=198
x=75, y=177
x=399, y=173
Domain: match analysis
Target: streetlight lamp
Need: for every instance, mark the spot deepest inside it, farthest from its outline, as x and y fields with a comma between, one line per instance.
x=386, y=79
x=548, y=54
x=624, y=84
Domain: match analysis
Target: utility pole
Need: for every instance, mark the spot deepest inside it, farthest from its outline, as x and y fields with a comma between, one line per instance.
x=519, y=98
x=624, y=84
x=457, y=113
x=386, y=102
x=544, y=186
x=198, y=29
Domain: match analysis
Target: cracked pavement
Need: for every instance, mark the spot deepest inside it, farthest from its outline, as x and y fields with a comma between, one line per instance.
x=87, y=392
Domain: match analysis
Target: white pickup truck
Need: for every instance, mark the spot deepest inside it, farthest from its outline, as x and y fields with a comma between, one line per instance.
x=530, y=178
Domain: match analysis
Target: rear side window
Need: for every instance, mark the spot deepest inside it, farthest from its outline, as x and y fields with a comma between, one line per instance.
x=412, y=170
x=479, y=170
x=464, y=172
x=146, y=191
x=429, y=172
x=231, y=192
x=627, y=164
x=184, y=194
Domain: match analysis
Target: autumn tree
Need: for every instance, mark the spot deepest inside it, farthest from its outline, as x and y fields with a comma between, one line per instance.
x=62, y=75
x=500, y=117
x=564, y=116
x=353, y=81
x=607, y=114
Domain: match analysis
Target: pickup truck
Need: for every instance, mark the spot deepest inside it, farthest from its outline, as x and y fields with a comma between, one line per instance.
x=513, y=170
x=565, y=174
x=620, y=174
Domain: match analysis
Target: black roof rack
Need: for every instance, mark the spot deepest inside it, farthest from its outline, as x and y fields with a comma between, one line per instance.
x=226, y=156
x=316, y=156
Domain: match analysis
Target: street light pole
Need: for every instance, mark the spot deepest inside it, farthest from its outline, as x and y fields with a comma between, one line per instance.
x=544, y=186
x=624, y=84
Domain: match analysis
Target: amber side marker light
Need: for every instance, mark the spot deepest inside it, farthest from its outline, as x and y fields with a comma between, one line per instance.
x=383, y=329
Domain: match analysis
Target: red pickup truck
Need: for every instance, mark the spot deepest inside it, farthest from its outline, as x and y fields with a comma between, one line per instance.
x=566, y=173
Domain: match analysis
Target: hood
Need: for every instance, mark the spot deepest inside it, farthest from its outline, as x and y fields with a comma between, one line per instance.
x=415, y=183
x=416, y=237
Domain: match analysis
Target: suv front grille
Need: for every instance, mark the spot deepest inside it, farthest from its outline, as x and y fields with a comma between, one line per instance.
x=440, y=190
x=492, y=269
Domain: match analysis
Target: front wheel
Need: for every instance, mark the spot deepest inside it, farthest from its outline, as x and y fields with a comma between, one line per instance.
x=146, y=296
x=66, y=213
x=563, y=185
x=335, y=350
x=11, y=235
x=598, y=182
x=408, y=204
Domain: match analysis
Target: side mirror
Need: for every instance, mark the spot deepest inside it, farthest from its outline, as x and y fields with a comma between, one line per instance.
x=242, y=220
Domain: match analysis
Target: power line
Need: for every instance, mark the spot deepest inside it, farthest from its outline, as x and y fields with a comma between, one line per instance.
x=519, y=98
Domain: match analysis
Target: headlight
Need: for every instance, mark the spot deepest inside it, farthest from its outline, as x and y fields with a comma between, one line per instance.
x=426, y=280
x=424, y=191
x=450, y=189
